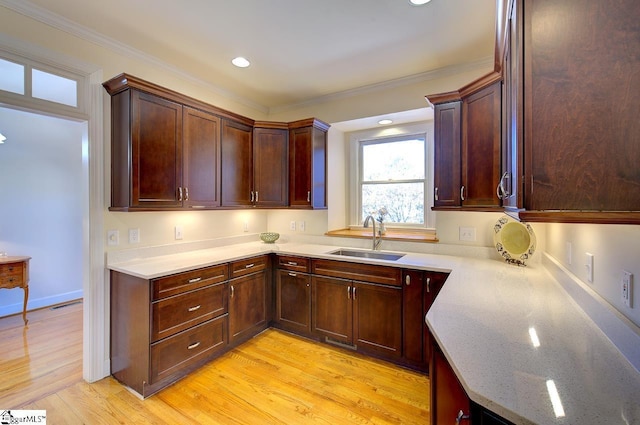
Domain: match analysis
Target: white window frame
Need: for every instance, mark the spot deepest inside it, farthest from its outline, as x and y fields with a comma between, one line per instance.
x=354, y=202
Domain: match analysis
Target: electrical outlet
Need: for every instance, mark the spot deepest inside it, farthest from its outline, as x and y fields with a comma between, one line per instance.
x=302, y=226
x=589, y=265
x=627, y=289
x=178, y=232
x=292, y=226
x=134, y=235
x=113, y=237
x=467, y=234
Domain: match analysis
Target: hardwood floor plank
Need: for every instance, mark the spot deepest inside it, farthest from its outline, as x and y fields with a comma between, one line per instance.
x=275, y=378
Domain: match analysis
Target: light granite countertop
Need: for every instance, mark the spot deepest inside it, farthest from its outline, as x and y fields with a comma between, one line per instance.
x=484, y=319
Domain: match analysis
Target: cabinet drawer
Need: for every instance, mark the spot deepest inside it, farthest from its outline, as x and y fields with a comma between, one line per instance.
x=11, y=270
x=296, y=264
x=250, y=265
x=357, y=271
x=177, y=313
x=187, y=348
x=188, y=281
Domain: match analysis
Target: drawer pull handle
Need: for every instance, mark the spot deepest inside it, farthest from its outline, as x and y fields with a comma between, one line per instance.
x=349, y=292
x=232, y=291
x=248, y=266
x=354, y=293
x=309, y=196
x=462, y=193
x=292, y=263
x=293, y=274
x=197, y=279
x=428, y=284
x=194, y=345
x=407, y=280
x=10, y=269
x=180, y=194
x=194, y=308
x=461, y=417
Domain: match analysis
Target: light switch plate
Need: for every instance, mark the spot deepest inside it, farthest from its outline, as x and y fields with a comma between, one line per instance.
x=468, y=234
x=589, y=265
x=113, y=237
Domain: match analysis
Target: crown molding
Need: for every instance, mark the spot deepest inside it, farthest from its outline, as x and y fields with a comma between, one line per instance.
x=61, y=23
x=482, y=64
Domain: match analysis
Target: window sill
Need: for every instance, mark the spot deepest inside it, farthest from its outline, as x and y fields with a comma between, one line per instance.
x=405, y=235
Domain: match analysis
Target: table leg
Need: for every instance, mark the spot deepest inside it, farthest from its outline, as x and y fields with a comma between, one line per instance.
x=24, y=306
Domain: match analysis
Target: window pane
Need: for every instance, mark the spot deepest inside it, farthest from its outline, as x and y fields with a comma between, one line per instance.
x=402, y=160
x=54, y=88
x=11, y=77
x=403, y=201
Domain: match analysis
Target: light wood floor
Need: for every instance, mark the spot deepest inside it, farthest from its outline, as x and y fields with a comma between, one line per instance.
x=276, y=378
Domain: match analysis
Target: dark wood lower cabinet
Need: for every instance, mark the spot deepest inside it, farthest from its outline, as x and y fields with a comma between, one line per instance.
x=332, y=308
x=377, y=319
x=247, y=306
x=449, y=401
x=293, y=301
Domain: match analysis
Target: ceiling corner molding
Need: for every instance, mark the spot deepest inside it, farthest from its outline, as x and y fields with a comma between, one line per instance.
x=484, y=63
x=61, y=23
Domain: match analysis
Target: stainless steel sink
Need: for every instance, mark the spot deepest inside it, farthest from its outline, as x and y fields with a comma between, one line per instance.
x=377, y=255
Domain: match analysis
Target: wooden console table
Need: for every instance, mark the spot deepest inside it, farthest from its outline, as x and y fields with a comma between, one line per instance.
x=14, y=273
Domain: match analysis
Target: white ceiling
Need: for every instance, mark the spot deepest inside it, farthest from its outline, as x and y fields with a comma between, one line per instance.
x=300, y=50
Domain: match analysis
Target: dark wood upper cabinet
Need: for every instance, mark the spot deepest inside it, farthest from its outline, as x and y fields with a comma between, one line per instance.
x=447, y=172
x=146, y=153
x=271, y=165
x=201, y=152
x=237, y=164
x=467, y=145
x=571, y=113
x=308, y=164
x=481, y=140
x=171, y=152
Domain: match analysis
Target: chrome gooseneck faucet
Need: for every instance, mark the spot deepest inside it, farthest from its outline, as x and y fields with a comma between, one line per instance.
x=366, y=224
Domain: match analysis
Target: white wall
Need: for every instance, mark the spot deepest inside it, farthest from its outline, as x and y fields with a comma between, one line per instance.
x=615, y=248
x=41, y=187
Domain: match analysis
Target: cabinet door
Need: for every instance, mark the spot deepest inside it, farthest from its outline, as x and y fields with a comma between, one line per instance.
x=201, y=144
x=413, y=312
x=447, y=142
x=332, y=308
x=433, y=283
x=307, y=167
x=236, y=165
x=377, y=319
x=448, y=397
x=293, y=301
x=512, y=137
x=271, y=167
x=581, y=104
x=481, y=139
x=156, y=151
x=247, y=306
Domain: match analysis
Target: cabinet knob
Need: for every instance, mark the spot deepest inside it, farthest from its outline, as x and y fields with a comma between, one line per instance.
x=407, y=280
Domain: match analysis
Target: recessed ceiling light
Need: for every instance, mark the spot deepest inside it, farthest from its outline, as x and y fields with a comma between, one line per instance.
x=384, y=122
x=240, y=62
x=419, y=2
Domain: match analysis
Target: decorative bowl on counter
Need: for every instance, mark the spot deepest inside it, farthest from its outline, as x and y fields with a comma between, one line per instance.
x=269, y=237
